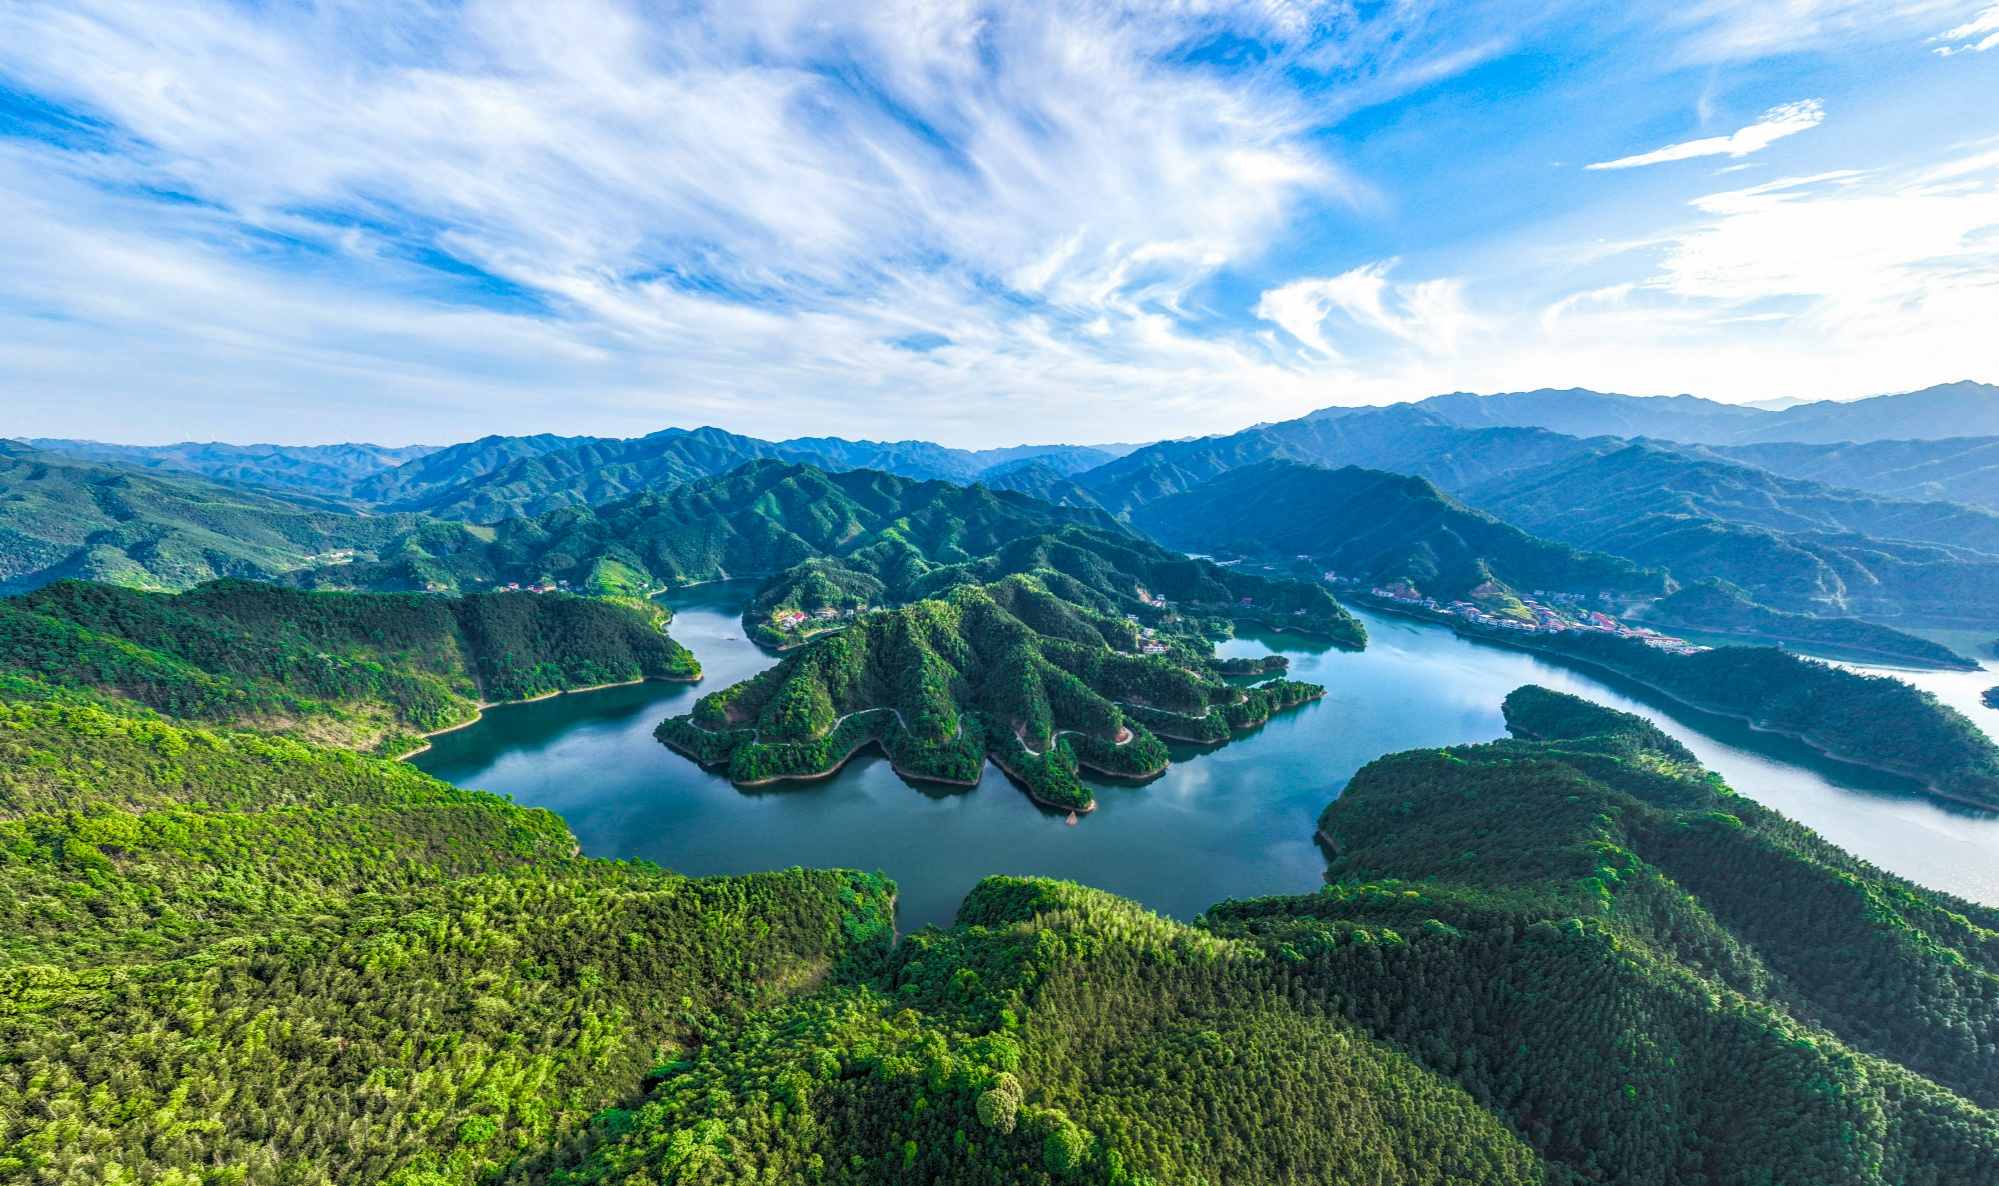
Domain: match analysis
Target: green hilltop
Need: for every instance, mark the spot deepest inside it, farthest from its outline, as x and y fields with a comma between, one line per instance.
x=65, y=518
x=362, y=670
x=1381, y=528
x=1565, y=958
x=757, y=519
x=1010, y=670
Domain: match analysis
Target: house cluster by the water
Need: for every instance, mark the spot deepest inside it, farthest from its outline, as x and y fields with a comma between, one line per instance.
x=1547, y=618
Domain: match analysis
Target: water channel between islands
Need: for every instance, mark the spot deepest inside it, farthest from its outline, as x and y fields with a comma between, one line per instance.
x=1229, y=821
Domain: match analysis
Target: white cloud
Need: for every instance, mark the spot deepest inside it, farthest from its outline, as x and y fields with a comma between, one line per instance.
x=1777, y=123
x=653, y=212
x=1430, y=315
x=1978, y=34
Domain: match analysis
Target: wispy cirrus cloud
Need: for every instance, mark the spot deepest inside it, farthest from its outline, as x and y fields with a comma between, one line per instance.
x=1039, y=185
x=1976, y=35
x=1430, y=315
x=1777, y=123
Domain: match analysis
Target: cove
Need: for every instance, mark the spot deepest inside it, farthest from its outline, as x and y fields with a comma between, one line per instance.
x=1234, y=820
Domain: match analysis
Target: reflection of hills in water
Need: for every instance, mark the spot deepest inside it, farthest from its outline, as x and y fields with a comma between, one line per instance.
x=1226, y=821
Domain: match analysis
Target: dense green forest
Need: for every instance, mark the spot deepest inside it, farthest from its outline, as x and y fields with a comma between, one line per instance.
x=61, y=517
x=1380, y=528
x=1796, y=546
x=1717, y=607
x=362, y=670
x=1573, y=957
x=1873, y=719
x=1570, y=957
x=1110, y=571
x=1025, y=670
x=758, y=518
x=239, y=959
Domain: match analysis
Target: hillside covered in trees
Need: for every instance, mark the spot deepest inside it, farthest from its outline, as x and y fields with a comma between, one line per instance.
x=1717, y=607
x=234, y=958
x=1796, y=546
x=758, y=518
x=1012, y=670
x=360, y=670
x=1875, y=720
x=1380, y=528
x=65, y=518
x=1111, y=571
x=1570, y=957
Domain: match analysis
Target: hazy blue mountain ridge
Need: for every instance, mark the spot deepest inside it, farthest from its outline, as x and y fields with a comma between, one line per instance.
x=1934, y=413
x=321, y=469
x=1953, y=469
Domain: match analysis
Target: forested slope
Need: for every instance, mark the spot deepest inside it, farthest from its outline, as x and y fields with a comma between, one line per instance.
x=756, y=519
x=360, y=670
x=237, y=959
x=1717, y=607
x=1796, y=546
x=1014, y=670
x=1570, y=958
x=1955, y=469
x=1109, y=570
x=1381, y=528
x=61, y=517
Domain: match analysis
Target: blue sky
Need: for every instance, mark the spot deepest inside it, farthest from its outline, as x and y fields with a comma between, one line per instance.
x=975, y=223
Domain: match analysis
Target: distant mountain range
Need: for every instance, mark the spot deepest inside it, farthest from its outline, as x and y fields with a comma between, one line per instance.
x=1797, y=545
x=320, y=469
x=499, y=477
x=1768, y=500
x=1934, y=413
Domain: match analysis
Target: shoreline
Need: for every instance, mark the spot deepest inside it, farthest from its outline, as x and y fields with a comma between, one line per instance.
x=1926, y=782
x=483, y=705
x=911, y=775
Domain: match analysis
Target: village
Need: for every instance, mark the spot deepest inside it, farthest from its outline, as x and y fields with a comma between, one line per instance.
x=1548, y=619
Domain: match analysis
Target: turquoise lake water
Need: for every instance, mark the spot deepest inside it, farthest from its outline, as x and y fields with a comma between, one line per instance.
x=1231, y=821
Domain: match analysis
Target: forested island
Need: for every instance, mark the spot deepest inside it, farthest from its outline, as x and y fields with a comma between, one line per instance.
x=1570, y=957
x=1011, y=670
x=366, y=671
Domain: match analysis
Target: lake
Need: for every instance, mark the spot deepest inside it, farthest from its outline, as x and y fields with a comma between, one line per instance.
x=1229, y=821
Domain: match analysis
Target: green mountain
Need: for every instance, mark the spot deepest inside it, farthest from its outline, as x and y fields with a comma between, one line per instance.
x=592, y=473
x=60, y=517
x=1956, y=469
x=504, y=477
x=233, y=958
x=1037, y=479
x=1035, y=672
x=759, y=518
x=366, y=671
x=1566, y=958
x=1793, y=547
x=412, y=482
x=1717, y=607
x=320, y=469
x=1106, y=569
x=1670, y=480
x=1380, y=528
x=1403, y=439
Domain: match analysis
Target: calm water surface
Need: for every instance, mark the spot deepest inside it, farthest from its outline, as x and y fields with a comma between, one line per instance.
x=1231, y=821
